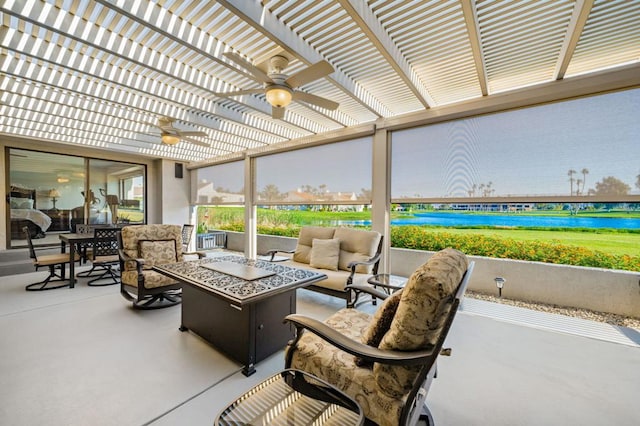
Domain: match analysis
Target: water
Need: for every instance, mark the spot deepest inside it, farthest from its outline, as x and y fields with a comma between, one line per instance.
x=509, y=220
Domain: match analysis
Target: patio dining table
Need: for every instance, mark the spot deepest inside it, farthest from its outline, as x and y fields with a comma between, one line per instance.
x=73, y=240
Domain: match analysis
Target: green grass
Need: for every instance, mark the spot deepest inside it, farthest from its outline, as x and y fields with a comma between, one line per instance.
x=608, y=242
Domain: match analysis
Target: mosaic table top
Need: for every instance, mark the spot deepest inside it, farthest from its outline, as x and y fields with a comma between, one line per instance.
x=234, y=288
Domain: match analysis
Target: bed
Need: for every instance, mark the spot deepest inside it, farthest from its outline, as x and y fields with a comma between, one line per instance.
x=24, y=213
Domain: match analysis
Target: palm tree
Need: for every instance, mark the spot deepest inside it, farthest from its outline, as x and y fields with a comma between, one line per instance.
x=584, y=172
x=570, y=174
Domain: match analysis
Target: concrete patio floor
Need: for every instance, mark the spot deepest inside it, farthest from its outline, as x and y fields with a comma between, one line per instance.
x=83, y=356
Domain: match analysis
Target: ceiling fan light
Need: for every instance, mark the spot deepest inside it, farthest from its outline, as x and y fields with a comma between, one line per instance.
x=168, y=139
x=279, y=97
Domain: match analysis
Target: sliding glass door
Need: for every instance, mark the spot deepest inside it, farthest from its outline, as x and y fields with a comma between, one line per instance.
x=52, y=193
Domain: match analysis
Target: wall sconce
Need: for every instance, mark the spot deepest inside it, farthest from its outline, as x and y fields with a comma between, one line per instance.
x=500, y=283
x=54, y=194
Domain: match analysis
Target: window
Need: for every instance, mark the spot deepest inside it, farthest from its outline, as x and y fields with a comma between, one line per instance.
x=332, y=174
x=555, y=183
x=220, y=184
x=57, y=185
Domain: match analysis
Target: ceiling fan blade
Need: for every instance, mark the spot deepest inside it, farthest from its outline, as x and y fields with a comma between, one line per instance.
x=313, y=72
x=239, y=92
x=256, y=72
x=315, y=100
x=277, y=112
x=195, y=142
x=182, y=133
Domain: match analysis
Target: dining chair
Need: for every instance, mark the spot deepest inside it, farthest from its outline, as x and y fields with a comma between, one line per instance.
x=104, y=258
x=55, y=262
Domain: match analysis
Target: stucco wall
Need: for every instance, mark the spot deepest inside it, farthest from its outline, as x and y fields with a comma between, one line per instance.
x=174, y=205
x=603, y=290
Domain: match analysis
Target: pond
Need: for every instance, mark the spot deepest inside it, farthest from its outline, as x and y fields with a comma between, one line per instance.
x=508, y=220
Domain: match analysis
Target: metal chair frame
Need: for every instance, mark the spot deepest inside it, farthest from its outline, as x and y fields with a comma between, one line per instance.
x=55, y=262
x=104, y=257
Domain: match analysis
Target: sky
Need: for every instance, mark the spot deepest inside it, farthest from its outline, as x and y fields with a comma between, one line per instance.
x=527, y=151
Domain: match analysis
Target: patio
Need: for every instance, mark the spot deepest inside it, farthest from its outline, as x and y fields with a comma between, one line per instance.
x=83, y=356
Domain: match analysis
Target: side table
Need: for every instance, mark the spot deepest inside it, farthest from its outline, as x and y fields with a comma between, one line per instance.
x=292, y=397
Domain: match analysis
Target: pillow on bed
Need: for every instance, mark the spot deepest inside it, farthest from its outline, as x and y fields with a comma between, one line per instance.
x=21, y=203
x=26, y=204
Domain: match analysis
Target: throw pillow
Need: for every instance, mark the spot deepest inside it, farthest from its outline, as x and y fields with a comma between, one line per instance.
x=157, y=252
x=380, y=324
x=325, y=254
x=305, y=239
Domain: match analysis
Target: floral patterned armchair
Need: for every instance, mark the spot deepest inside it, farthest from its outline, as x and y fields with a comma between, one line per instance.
x=141, y=247
x=386, y=362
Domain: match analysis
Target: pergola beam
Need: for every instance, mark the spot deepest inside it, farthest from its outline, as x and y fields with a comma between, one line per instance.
x=473, y=29
x=579, y=17
x=362, y=15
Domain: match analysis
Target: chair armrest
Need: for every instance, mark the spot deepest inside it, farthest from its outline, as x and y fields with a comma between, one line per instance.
x=353, y=347
x=352, y=266
x=126, y=258
x=364, y=288
x=272, y=253
x=371, y=261
x=200, y=254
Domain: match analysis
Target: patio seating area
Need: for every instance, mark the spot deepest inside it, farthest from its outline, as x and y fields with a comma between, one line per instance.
x=77, y=352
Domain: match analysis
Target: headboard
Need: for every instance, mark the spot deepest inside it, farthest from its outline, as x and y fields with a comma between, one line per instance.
x=18, y=192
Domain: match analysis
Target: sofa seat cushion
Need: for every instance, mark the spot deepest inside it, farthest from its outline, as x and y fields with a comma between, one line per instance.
x=321, y=359
x=336, y=280
x=356, y=245
x=305, y=241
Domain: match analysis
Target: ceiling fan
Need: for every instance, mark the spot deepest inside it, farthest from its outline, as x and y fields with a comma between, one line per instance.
x=171, y=135
x=279, y=88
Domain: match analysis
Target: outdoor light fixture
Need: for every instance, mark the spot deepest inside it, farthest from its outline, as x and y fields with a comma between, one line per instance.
x=279, y=96
x=54, y=194
x=499, y=283
x=169, y=139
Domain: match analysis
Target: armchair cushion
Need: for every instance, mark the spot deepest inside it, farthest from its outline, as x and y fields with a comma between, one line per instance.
x=318, y=357
x=415, y=324
x=325, y=253
x=356, y=245
x=157, y=252
x=305, y=241
x=151, y=279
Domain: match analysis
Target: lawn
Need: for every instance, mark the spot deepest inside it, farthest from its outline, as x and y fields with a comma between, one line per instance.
x=609, y=242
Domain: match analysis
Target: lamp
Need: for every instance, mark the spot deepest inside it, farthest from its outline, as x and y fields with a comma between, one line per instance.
x=169, y=139
x=279, y=96
x=54, y=194
x=499, y=283
x=62, y=179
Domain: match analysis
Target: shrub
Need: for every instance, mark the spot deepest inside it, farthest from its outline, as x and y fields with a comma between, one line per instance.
x=415, y=237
